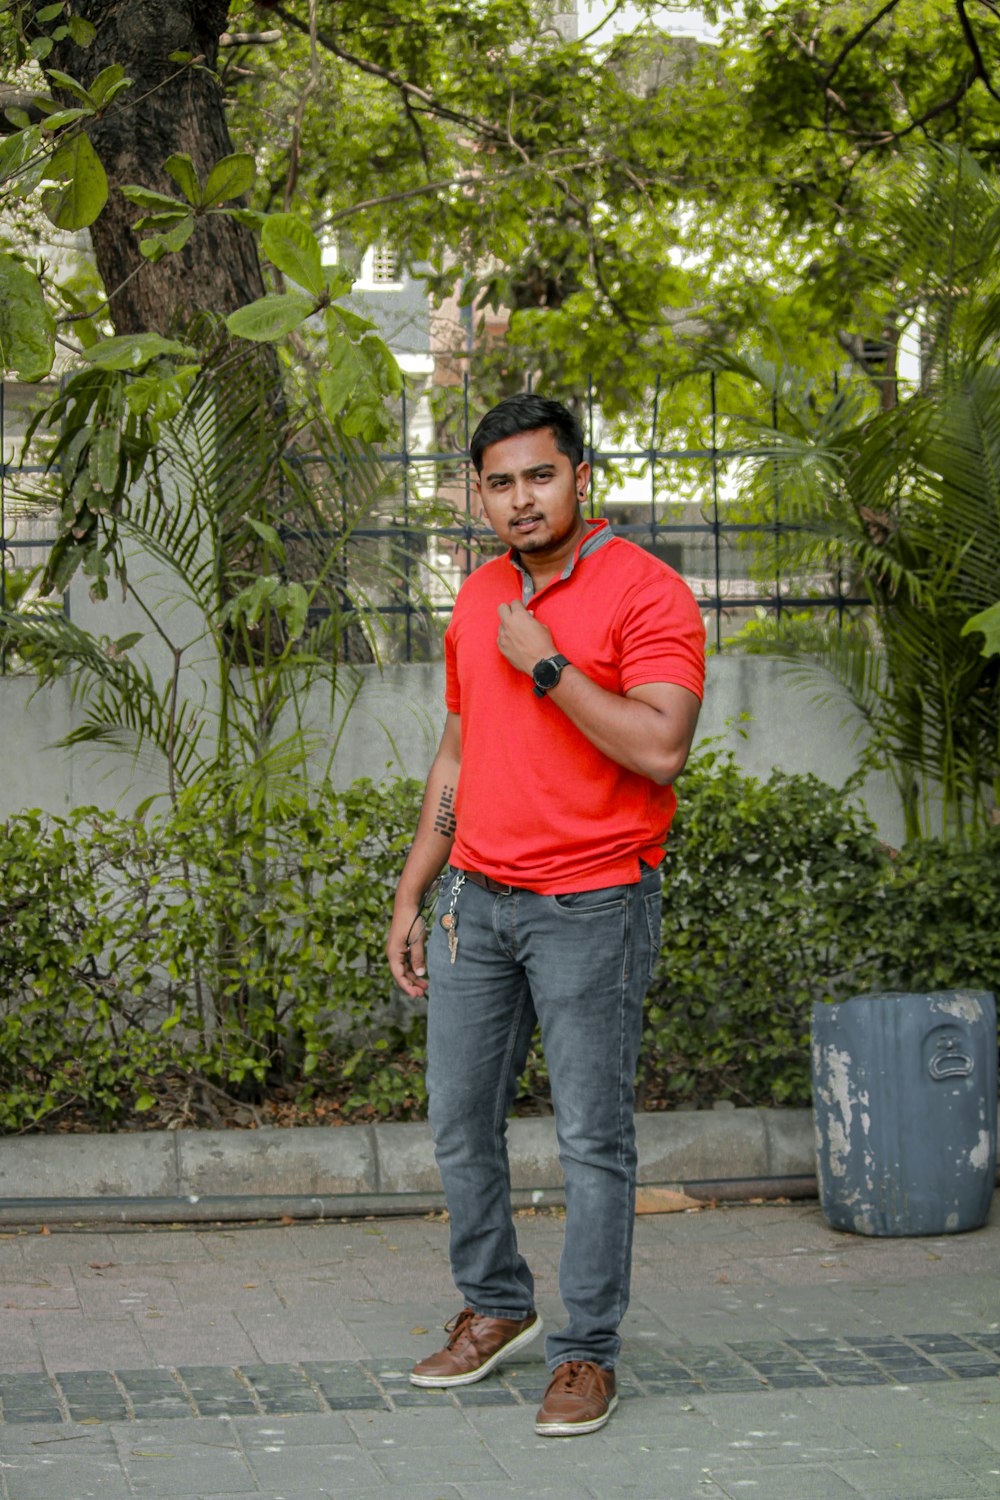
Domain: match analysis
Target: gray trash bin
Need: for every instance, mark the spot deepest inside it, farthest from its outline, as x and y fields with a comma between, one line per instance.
x=905, y=1100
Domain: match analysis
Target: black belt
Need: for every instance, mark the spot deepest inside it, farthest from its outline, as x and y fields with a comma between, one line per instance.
x=495, y=887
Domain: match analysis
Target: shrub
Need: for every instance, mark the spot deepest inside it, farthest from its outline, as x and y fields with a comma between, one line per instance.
x=130, y=953
x=242, y=954
x=777, y=894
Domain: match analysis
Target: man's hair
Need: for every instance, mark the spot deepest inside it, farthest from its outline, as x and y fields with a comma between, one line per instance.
x=528, y=413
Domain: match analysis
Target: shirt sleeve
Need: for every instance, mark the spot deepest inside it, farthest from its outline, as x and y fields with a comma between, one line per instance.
x=663, y=636
x=452, y=695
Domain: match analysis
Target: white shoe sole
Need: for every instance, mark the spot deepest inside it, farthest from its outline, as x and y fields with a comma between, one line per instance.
x=443, y=1382
x=575, y=1429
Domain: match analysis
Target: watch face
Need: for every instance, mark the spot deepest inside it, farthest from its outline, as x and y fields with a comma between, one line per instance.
x=546, y=673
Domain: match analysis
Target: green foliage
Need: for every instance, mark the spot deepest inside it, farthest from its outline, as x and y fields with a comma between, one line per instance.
x=902, y=499
x=770, y=894
x=27, y=327
x=240, y=955
x=778, y=894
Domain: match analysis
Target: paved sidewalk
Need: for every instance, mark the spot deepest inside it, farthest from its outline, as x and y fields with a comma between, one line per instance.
x=767, y=1358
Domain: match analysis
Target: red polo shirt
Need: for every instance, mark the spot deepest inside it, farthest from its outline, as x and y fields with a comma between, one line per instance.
x=538, y=805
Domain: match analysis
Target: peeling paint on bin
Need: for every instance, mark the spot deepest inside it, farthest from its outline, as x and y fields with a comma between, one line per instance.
x=905, y=1100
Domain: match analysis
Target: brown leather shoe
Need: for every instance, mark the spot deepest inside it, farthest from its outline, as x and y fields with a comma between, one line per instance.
x=476, y=1346
x=580, y=1398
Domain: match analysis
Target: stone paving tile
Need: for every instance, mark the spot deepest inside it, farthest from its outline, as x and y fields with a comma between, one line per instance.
x=41, y=1294
x=107, y=1290
x=281, y=1337
x=343, y=1469
x=458, y=1465
x=217, y=1391
x=253, y=1246
x=808, y=1480
x=209, y=1340
x=312, y=1430
x=904, y=1478
x=48, y=1463
x=78, y=1342
x=162, y=1246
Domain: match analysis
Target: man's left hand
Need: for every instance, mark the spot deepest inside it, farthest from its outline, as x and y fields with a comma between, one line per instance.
x=523, y=639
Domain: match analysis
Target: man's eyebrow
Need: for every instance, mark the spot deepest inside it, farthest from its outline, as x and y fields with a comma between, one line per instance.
x=534, y=469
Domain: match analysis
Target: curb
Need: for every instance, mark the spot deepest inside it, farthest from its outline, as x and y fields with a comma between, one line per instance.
x=188, y=1175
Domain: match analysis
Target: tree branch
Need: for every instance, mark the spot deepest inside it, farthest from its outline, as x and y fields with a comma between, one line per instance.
x=249, y=38
x=858, y=37
x=402, y=85
x=973, y=45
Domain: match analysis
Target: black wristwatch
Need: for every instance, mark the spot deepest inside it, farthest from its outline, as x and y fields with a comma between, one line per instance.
x=546, y=673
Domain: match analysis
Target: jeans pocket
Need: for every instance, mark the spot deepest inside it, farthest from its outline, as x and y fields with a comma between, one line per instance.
x=587, y=903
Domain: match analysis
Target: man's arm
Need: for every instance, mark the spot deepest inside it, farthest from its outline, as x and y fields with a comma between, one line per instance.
x=649, y=730
x=425, y=861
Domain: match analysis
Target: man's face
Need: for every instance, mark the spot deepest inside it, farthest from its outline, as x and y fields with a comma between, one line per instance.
x=531, y=493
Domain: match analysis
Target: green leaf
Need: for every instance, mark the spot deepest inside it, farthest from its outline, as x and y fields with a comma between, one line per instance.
x=270, y=317
x=48, y=13
x=41, y=47
x=352, y=322
x=171, y=240
x=148, y=198
x=130, y=351
x=391, y=373
x=181, y=168
x=266, y=533
x=18, y=150
x=250, y=218
x=337, y=280
x=291, y=245
x=108, y=83
x=70, y=85
x=337, y=383
x=27, y=327
x=103, y=460
x=81, y=30
x=230, y=178
x=66, y=117
x=76, y=204
x=988, y=622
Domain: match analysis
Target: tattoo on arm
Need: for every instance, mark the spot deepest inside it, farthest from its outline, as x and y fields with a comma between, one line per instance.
x=444, y=820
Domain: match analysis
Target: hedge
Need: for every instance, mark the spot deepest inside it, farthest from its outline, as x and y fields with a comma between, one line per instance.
x=210, y=953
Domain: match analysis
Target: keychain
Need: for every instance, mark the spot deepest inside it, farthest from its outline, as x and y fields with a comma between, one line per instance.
x=450, y=919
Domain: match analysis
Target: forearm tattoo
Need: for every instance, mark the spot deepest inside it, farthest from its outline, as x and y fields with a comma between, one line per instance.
x=444, y=821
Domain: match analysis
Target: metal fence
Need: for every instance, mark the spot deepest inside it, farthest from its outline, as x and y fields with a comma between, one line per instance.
x=670, y=492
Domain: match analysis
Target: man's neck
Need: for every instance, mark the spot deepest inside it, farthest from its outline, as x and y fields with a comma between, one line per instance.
x=542, y=568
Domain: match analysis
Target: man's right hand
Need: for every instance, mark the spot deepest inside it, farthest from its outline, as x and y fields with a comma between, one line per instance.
x=405, y=949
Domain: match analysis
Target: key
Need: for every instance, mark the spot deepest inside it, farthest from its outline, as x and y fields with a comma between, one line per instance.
x=450, y=924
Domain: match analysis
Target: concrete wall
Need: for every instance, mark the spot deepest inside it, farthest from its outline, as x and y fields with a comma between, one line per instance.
x=394, y=725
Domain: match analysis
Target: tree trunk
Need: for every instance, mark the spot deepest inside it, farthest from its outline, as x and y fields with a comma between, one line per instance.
x=170, y=107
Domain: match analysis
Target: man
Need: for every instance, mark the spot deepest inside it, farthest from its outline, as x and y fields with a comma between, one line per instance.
x=574, y=674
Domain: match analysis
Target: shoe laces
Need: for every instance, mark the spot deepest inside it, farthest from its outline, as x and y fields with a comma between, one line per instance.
x=574, y=1375
x=458, y=1327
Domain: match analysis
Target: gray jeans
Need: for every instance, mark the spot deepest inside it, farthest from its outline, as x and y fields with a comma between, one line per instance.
x=580, y=964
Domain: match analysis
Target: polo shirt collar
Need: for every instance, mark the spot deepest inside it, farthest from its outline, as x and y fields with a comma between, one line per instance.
x=597, y=533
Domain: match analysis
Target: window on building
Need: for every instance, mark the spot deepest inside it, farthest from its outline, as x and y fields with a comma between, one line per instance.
x=382, y=265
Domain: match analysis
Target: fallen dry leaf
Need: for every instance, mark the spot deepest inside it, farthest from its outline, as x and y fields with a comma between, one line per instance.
x=655, y=1200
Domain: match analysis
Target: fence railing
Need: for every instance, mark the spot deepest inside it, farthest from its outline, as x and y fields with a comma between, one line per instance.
x=675, y=499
